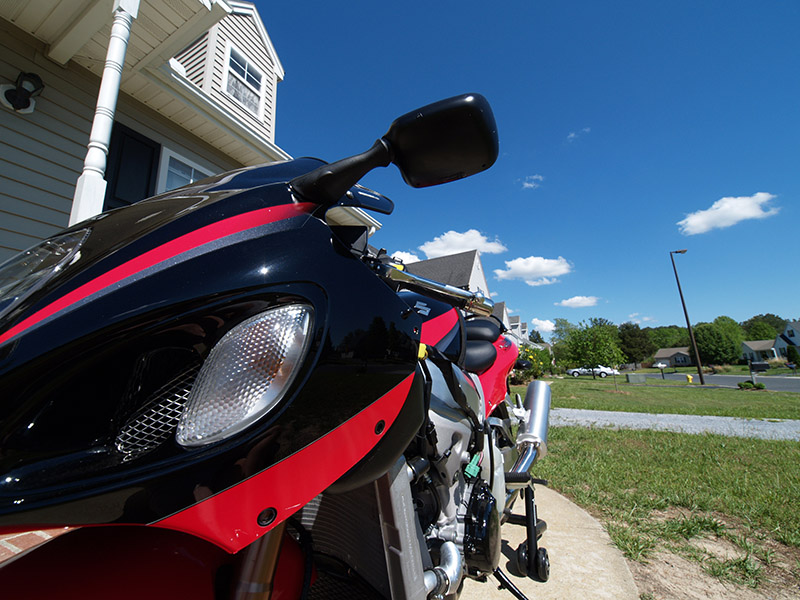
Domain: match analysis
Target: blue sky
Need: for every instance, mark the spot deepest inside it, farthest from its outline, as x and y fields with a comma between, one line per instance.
x=627, y=129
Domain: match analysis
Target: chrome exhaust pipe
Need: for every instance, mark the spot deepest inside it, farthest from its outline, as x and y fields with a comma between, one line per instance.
x=444, y=579
x=532, y=433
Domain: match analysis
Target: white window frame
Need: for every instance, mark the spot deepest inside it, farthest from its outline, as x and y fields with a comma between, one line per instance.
x=226, y=73
x=163, y=167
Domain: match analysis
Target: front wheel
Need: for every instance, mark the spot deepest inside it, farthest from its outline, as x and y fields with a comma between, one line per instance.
x=603, y=374
x=575, y=373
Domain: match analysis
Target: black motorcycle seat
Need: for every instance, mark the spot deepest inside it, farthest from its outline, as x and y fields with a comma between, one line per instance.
x=480, y=355
x=483, y=328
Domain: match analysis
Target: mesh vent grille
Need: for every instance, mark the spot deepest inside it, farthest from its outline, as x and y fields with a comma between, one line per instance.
x=157, y=420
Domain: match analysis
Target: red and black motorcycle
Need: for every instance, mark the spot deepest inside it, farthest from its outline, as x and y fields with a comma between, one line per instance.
x=223, y=396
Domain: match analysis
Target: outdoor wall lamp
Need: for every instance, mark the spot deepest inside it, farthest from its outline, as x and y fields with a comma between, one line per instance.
x=19, y=97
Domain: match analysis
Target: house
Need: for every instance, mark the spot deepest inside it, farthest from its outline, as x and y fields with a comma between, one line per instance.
x=501, y=312
x=758, y=350
x=674, y=357
x=138, y=97
x=789, y=337
x=463, y=270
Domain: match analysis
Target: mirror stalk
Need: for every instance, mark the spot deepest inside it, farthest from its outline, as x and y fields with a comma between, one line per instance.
x=327, y=184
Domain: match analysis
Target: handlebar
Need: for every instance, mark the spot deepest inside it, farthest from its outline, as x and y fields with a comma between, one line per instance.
x=474, y=302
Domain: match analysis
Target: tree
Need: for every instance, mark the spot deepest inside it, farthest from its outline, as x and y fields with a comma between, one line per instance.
x=559, y=337
x=761, y=330
x=793, y=356
x=535, y=337
x=731, y=330
x=714, y=346
x=635, y=343
x=670, y=336
x=774, y=321
x=561, y=330
x=594, y=344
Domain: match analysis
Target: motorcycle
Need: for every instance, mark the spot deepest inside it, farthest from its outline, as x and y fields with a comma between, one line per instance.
x=216, y=394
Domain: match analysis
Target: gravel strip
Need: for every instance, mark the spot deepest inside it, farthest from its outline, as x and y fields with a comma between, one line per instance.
x=772, y=429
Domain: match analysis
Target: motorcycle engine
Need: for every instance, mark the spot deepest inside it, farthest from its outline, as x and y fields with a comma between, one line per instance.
x=450, y=504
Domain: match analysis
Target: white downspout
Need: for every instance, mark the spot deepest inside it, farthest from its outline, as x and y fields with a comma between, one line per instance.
x=91, y=188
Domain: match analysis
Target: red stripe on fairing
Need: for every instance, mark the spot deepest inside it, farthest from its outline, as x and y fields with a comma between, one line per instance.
x=229, y=519
x=184, y=243
x=433, y=331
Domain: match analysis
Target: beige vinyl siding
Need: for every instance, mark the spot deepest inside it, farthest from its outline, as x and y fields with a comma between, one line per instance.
x=193, y=59
x=241, y=31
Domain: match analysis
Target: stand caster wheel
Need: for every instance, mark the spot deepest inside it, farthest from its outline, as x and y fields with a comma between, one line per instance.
x=542, y=564
x=522, y=558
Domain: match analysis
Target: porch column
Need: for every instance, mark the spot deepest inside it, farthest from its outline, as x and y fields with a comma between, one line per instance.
x=91, y=188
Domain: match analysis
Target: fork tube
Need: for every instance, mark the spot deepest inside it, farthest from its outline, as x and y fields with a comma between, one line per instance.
x=256, y=566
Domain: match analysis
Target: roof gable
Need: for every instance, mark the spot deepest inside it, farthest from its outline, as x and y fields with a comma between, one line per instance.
x=667, y=352
x=249, y=9
x=453, y=269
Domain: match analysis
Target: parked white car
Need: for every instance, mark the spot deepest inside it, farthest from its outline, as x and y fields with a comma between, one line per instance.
x=599, y=370
x=605, y=371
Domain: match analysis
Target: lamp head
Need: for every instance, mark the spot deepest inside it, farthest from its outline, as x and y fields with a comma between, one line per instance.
x=28, y=86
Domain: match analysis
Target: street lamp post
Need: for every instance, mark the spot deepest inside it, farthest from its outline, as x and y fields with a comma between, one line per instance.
x=686, y=314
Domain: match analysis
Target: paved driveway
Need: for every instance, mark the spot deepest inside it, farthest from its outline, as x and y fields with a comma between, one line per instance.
x=778, y=383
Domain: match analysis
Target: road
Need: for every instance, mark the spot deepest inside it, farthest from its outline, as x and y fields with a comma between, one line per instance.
x=776, y=383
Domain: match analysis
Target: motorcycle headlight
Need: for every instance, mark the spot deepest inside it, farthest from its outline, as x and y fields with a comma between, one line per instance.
x=30, y=269
x=246, y=374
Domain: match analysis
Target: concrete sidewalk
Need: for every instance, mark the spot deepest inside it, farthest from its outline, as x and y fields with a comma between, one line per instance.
x=583, y=561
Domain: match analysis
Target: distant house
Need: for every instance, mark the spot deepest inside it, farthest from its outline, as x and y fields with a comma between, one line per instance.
x=188, y=90
x=789, y=337
x=463, y=270
x=674, y=357
x=501, y=312
x=758, y=350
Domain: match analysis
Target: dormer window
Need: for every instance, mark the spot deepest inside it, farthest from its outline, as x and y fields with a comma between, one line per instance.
x=244, y=81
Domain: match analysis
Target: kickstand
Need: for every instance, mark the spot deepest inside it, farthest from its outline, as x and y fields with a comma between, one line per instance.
x=506, y=583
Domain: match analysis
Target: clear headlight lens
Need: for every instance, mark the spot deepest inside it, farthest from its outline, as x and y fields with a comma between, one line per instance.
x=246, y=374
x=30, y=269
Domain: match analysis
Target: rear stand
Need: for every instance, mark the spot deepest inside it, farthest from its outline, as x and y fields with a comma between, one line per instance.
x=532, y=560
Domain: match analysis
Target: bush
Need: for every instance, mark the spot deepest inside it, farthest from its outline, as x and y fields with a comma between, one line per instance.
x=746, y=385
x=759, y=386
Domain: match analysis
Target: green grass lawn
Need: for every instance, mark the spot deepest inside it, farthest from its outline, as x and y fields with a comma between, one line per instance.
x=670, y=397
x=659, y=490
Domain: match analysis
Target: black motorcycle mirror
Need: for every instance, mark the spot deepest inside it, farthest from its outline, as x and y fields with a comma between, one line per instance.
x=440, y=142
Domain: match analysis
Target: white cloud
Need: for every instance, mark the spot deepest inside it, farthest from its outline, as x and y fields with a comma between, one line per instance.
x=543, y=326
x=728, y=211
x=579, y=302
x=574, y=135
x=531, y=182
x=636, y=318
x=406, y=257
x=454, y=242
x=535, y=270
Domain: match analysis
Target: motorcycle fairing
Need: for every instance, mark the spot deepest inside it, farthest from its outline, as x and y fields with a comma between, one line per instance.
x=495, y=379
x=167, y=252
x=230, y=519
x=72, y=381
